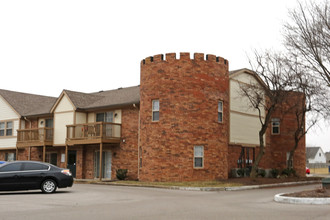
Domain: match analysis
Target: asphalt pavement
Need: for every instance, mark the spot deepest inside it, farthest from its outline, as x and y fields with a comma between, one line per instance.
x=88, y=201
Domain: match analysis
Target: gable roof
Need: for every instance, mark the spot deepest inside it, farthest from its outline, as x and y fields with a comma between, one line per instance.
x=28, y=104
x=234, y=73
x=311, y=152
x=103, y=99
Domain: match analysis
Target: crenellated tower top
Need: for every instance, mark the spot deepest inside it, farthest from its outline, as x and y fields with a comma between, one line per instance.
x=198, y=57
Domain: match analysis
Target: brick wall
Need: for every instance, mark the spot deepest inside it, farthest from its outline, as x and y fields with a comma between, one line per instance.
x=188, y=91
x=284, y=142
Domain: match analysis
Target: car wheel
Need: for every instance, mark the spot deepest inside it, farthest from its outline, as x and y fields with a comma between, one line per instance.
x=48, y=186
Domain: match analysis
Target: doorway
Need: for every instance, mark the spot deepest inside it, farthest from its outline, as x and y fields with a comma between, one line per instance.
x=106, y=164
x=72, y=157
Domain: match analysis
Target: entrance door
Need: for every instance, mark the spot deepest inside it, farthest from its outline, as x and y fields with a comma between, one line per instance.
x=106, y=164
x=72, y=155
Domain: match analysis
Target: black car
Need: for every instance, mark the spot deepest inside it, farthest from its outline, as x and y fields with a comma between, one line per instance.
x=28, y=175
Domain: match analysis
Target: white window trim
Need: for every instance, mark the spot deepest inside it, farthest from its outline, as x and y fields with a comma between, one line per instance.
x=276, y=120
x=199, y=157
x=152, y=109
x=6, y=128
x=220, y=111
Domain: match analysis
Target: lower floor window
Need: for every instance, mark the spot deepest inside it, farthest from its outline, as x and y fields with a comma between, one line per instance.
x=198, y=156
x=10, y=156
x=51, y=158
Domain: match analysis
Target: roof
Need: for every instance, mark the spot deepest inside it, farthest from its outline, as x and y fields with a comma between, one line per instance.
x=311, y=152
x=327, y=155
x=28, y=104
x=239, y=70
x=102, y=99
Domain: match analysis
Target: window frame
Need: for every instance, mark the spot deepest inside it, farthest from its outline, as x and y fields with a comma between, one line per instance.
x=155, y=110
x=105, y=113
x=276, y=123
x=199, y=157
x=220, y=112
x=6, y=129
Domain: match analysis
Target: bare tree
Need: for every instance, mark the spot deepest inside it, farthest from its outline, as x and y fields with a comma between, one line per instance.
x=267, y=96
x=308, y=98
x=307, y=37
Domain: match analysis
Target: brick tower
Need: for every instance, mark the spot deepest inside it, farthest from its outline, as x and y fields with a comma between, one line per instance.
x=184, y=118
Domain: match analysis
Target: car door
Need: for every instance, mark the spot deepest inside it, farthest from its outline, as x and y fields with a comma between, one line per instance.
x=9, y=176
x=33, y=174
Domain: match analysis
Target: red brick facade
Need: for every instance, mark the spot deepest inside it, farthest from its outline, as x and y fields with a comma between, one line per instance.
x=188, y=91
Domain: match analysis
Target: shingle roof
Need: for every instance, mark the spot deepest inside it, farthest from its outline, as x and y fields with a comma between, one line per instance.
x=117, y=97
x=235, y=71
x=311, y=152
x=28, y=104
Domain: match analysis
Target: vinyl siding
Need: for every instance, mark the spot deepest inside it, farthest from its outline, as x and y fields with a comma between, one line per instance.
x=244, y=120
x=64, y=105
x=60, y=122
x=80, y=118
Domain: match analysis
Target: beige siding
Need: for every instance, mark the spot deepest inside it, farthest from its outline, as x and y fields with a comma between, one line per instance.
x=238, y=102
x=64, y=105
x=80, y=118
x=6, y=111
x=244, y=129
x=244, y=120
x=8, y=143
x=117, y=119
x=91, y=117
x=60, y=122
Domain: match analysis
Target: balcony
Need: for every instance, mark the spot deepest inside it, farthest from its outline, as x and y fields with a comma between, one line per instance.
x=34, y=137
x=93, y=133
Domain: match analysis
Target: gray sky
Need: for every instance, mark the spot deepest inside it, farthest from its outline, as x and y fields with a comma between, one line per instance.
x=88, y=46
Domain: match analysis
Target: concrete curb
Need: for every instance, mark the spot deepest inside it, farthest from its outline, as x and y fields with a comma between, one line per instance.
x=301, y=200
x=208, y=189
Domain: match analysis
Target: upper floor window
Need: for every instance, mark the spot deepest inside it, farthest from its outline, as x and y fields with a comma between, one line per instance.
x=220, y=111
x=104, y=117
x=275, y=125
x=6, y=128
x=198, y=156
x=155, y=110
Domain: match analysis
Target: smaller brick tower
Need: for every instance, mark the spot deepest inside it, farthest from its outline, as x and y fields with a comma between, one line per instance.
x=184, y=118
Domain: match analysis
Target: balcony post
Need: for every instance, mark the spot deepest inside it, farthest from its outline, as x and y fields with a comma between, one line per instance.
x=44, y=153
x=66, y=156
x=101, y=170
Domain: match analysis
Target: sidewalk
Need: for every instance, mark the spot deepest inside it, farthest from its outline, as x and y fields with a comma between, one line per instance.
x=234, y=188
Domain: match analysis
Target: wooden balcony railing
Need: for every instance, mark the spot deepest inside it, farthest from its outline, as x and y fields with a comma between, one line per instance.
x=89, y=133
x=35, y=137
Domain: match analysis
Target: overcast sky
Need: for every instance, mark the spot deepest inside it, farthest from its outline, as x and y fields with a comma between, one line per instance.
x=88, y=46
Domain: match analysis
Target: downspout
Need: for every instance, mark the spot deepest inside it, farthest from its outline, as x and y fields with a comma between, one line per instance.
x=138, y=161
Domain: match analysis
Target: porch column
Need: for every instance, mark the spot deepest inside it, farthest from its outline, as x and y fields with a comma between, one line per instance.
x=44, y=153
x=66, y=156
x=101, y=149
x=29, y=156
x=16, y=153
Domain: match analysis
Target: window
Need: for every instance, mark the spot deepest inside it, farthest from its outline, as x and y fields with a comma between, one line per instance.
x=104, y=117
x=11, y=167
x=198, y=156
x=49, y=123
x=6, y=128
x=51, y=158
x=35, y=166
x=10, y=156
x=275, y=126
x=220, y=111
x=155, y=110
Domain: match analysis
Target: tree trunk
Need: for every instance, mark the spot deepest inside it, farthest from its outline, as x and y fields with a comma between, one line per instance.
x=262, y=150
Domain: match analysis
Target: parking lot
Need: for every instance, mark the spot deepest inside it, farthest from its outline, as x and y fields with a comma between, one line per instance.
x=84, y=201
